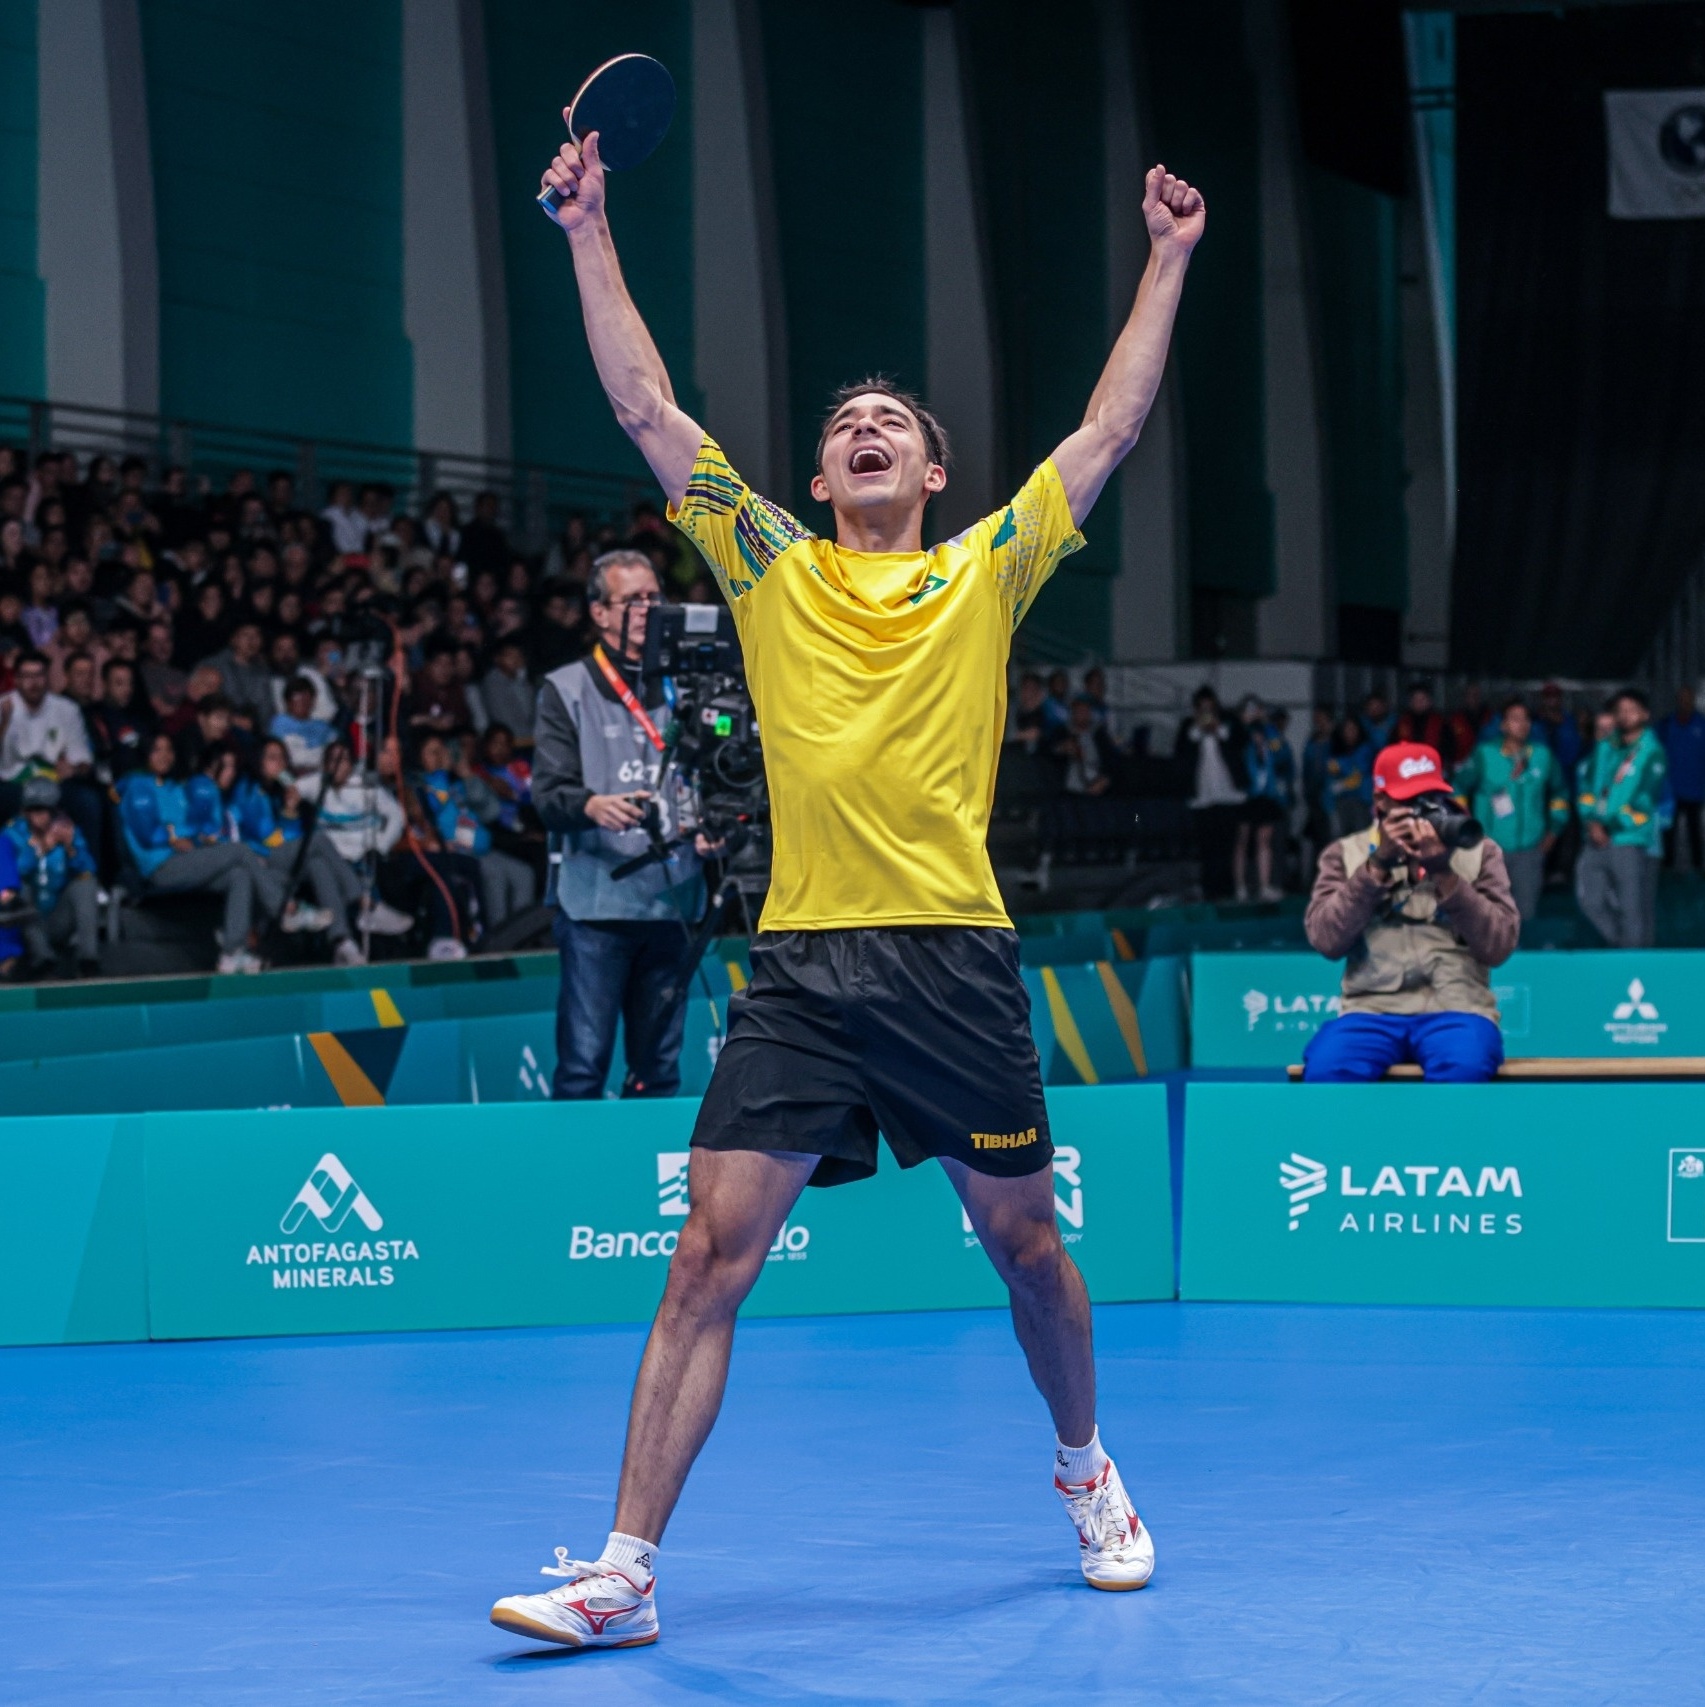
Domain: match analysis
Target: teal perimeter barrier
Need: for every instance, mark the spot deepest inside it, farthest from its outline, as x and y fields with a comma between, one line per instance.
x=346, y=1221
x=1259, y=1010
x=1101, y=1024
x=1445, y=1194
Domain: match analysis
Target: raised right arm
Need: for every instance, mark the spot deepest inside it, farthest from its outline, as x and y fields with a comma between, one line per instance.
x=629, y=366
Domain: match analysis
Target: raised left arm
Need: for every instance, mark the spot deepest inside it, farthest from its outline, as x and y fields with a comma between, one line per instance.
x=1175, y=214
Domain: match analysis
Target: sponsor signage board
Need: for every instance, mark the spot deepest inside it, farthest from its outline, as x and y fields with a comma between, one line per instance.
x=357, y=1220
x=1260, y=1010
x=1445, y=1194
x=72, y=1263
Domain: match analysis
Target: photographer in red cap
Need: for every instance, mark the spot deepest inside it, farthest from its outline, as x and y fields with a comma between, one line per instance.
x=1419, y=907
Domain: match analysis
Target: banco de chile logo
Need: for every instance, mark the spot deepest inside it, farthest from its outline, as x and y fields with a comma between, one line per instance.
x=1302, y=1177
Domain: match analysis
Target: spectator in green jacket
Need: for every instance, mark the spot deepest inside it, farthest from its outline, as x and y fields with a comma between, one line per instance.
x=1616, y=877
x=1515, y=789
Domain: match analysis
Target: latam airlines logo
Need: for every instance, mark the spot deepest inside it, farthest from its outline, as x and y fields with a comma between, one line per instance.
x=330, y=1197
x=1635, y=1022
x=1302, y=1179
x=1301, y=1013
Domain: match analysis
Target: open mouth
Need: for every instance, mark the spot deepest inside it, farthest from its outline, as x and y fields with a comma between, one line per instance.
x=870, y=459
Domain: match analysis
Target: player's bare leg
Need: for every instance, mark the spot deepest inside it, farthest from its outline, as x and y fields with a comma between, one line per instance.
x=1014, y=1219
x=740, y=1198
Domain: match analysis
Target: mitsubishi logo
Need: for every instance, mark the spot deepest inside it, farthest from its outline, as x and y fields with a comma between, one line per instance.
x=1636, y=1007
x=330, y=1195
x=1303, y=1178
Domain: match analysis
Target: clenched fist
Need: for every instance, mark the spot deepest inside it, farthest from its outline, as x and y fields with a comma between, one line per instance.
x=1174, y=211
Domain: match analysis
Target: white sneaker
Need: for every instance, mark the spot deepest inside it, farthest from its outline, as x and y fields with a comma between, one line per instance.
x=446, y=948
x=598, y=1607
x=1270, y=893
x=302, y=917
x=348, y=953
x=240, y=961
x=1117, y=1552
x=381, y=920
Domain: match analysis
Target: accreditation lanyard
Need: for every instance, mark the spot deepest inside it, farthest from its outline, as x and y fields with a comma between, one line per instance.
x=627, y=696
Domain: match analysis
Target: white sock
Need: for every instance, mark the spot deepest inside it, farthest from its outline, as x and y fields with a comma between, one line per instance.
x=1075, y=1465
x=631, y=1556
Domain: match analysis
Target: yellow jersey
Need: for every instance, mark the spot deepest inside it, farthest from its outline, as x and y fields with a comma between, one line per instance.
x=880, y=685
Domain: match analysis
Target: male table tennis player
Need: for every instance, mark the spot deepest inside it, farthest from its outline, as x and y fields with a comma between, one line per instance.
x=885, y=993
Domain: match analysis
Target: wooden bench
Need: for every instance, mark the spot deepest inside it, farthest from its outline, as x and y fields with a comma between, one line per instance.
x=1574, y=1067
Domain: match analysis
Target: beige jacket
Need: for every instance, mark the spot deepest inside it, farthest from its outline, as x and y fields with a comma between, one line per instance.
x=1406, y=951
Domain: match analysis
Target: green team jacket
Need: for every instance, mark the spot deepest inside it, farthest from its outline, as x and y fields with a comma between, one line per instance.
x=1520, y=798
x=1621, y=788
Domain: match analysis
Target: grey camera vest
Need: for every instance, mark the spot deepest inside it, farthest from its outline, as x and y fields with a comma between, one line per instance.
x=1417, y=967
x=617, y=757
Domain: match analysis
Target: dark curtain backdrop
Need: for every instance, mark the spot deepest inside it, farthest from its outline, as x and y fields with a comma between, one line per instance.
x=1581, y=350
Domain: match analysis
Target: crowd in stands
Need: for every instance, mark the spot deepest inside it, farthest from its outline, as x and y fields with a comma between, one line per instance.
x=1547, y=779
x=319, y=715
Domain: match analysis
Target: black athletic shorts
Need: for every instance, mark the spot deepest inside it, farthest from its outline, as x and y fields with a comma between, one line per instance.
x=921, y=1033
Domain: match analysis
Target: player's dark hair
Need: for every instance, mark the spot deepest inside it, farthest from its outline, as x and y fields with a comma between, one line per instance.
x=935, y=435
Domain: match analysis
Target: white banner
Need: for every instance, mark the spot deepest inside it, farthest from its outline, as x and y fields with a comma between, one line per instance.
x=1656, y=143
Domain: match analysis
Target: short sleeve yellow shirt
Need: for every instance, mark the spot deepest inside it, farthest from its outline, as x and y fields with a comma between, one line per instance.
x=880, y=685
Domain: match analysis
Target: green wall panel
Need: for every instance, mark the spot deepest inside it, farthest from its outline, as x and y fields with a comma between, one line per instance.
x=537, y=53
x=1203, y=100
x=22, y=368
x=277, y=144
x=845, y=96
x=1045, y=207
x=1353, y=234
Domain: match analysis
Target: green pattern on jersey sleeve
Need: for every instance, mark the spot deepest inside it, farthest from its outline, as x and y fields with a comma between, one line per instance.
x=1027, y=541
x=739, y=533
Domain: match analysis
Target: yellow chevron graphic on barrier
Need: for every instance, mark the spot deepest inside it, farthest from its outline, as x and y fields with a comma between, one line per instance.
x=385, y=1008
x=1065, y=1028
x=736, y=977
x=1125, y=1015
x=348, y=1080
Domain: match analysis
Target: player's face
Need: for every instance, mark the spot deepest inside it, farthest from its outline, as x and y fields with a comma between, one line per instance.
x=875, y=458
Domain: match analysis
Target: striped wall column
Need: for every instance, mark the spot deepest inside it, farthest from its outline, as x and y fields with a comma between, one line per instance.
x=962, y=386
x=1298, y=619
x=455, y=311
x=739, y=316
x=95, y=210
x=1149, y=589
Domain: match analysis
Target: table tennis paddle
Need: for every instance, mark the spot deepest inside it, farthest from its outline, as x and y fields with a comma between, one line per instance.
x=629, y=101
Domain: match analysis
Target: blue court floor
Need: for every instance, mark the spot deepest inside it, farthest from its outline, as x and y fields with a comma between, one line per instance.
x=1350, y=1506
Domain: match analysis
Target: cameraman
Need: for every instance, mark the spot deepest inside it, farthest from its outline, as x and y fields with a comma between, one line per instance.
x=1421, y=925
x=599, y=740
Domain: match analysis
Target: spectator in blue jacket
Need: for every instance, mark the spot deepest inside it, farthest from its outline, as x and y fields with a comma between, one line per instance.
x=266, y=815
x=461, y=808
x=179, y=843
x=11, y=943
x=1554, y=725
x=57, y=877
x=1349, y=777
x=1683, y=736
x=1269, y=792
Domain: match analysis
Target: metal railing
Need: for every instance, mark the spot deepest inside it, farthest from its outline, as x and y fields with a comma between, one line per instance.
x=534, y=499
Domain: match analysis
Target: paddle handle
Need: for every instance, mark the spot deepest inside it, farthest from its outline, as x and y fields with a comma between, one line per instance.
x=549, y=200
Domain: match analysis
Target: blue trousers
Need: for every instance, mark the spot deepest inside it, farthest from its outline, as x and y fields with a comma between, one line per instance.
x=1451, y=1049
x=618, y=969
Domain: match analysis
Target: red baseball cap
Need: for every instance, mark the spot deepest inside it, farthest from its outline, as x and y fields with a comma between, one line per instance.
x=1409, y=768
